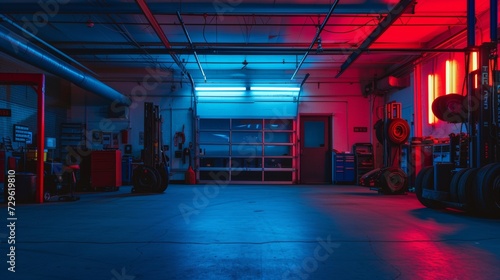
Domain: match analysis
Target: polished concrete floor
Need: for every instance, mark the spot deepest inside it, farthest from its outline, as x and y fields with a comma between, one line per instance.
x=248, y=232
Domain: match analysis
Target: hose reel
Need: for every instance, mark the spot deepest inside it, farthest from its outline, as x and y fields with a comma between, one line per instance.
x=398, y=131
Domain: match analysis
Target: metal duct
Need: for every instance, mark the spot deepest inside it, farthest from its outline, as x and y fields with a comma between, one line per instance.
x=33, y=55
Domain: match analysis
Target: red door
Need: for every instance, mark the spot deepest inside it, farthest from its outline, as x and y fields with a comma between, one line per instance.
x=315, y=158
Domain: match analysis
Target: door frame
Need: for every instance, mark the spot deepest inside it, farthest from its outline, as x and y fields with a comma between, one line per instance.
x=299, y=141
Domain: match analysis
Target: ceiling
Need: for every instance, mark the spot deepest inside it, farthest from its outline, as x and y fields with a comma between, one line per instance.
x=242, y=41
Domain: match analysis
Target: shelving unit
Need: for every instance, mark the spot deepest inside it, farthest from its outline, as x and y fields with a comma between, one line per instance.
x=246, y=150
x=364, y=160
x=72, y=137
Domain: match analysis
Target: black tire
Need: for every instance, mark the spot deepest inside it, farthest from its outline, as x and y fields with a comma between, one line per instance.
x=466, y=193
x=398, y=131
x=423, y=181
x=394, y=181
x=454, y=190
x=162, y=171
x=379, y=131
x=488, y=189
x=146, y=179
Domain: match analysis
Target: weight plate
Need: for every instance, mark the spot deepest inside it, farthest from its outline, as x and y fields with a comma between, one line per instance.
x=394, y=181
x=450, y=108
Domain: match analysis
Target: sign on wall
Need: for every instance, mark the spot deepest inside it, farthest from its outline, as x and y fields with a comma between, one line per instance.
x=5, y=112
x=360, y=129
x=22, y=134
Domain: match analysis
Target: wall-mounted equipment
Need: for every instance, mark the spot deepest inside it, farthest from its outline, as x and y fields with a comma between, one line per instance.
x=385, y=85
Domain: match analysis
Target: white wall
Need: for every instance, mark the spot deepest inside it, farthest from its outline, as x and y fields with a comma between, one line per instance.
x=348, y=109
x=175, y=107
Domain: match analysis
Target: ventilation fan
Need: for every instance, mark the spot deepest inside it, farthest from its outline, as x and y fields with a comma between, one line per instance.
x=245, y=63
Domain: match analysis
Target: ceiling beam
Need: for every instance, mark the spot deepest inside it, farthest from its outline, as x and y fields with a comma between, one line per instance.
x=391, y=17
x=219, y=8
x=191, y=45
x=247, y=51
x=159, y=32
x=318, y=32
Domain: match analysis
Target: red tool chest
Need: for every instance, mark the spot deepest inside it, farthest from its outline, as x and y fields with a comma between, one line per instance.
x=105, y=169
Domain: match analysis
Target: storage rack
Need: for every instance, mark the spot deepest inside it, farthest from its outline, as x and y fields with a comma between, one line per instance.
x=364, y=161
x=72, y=138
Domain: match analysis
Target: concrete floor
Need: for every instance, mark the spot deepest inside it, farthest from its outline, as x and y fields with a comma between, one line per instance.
x=249, y=232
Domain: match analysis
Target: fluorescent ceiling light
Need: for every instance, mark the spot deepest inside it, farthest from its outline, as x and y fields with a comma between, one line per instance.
x=275, y=94
x=275, y=88
x=220, y=88
x=220, y=94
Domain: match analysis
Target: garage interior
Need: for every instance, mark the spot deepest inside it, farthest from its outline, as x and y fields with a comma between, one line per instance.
x=257, y=139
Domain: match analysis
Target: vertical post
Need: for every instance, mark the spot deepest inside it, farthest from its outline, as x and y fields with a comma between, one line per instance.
x=41, y=137
x=494, y=20
x=485, y=146
x=471, y=23
x=417, y=100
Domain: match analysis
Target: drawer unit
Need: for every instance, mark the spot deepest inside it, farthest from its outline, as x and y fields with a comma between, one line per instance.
x=105, y=170
x=343, y=170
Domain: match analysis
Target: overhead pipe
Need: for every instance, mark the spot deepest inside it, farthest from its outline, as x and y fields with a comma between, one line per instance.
x=209, y=7
x=29, y=34
x=300, y=91
x=318, y=32
x=32, y=54
x=391, y=17
x=191, y=45
x=159, y=32
x=291, y=50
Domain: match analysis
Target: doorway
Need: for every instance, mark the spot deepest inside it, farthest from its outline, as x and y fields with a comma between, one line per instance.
x=315, y=156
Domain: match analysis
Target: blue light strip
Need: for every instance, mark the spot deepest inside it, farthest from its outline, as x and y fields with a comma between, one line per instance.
x=294, y=89
x=220, y=88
